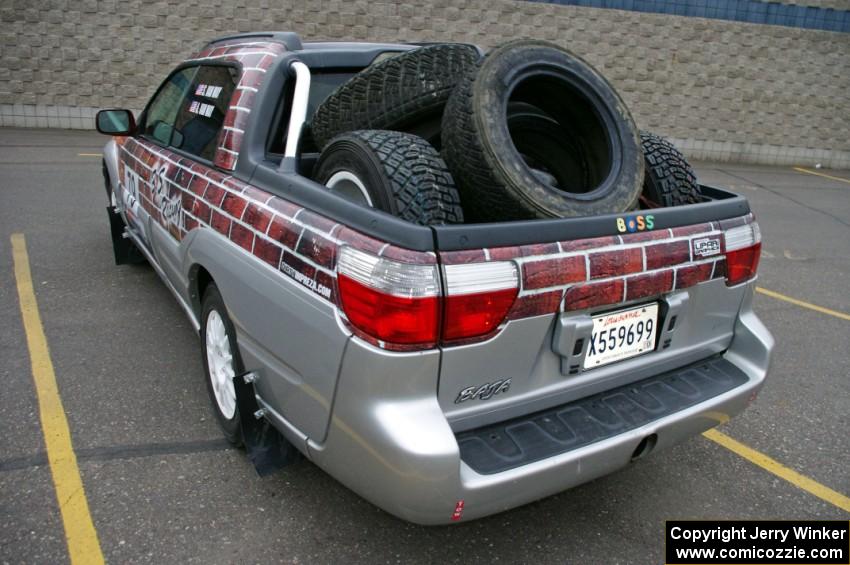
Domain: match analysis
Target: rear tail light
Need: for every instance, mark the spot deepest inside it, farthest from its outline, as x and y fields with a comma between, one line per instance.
x=743, y=250
x=478, y=296
x=390, y=301
x=401, y=303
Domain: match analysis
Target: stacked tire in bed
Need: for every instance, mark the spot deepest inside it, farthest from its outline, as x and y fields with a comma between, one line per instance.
x=440, y=134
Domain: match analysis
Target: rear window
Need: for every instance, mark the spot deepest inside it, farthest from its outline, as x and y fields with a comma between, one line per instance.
x=202, y=112
x=321, y=86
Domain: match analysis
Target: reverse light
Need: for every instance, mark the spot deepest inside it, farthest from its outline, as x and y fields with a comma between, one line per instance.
x=390, y=301
x=478, y=297
x=743, y=250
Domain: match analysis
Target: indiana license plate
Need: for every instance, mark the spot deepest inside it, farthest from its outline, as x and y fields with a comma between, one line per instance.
x=621, y=335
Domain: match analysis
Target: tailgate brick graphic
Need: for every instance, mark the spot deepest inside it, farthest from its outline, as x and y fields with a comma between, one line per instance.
x=605, y=271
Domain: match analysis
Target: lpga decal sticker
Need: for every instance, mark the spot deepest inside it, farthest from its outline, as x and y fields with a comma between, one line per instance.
x=208, y=91
x=201, y=109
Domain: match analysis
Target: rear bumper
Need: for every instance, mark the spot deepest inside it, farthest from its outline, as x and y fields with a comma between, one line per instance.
x=390, y=442
x=549, y=433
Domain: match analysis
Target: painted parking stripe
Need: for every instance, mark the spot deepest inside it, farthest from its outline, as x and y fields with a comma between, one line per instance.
x=80, y=533
x=89, y=154
x=772, y=466
x=809, y=171
x=803, y=303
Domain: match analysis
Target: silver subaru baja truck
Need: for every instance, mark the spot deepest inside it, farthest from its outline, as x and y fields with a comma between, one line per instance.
x=442, y=370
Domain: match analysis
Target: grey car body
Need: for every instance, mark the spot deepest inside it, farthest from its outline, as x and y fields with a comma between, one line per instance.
x=394, y=423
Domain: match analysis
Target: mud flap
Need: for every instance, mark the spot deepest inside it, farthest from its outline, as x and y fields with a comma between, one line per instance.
x=126, y=252
x=267, y=449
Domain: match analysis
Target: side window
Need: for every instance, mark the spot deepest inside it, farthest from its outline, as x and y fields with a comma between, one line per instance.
x=161, y=112
x=202, y=112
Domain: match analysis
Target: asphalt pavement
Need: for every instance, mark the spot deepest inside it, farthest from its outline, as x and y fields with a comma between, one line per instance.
x=163, y=487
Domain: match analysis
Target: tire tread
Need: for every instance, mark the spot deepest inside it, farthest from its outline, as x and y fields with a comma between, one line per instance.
x=670, y=180
x=467, y=159
x=394, y=93
x=422, y=187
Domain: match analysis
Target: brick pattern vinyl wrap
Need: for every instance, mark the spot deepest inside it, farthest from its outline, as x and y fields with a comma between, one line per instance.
x=605, y=272
x=182, y=195
x=255, y=58
x=602, y=272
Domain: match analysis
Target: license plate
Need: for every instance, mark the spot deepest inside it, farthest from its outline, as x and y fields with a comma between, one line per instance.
x=620, y=335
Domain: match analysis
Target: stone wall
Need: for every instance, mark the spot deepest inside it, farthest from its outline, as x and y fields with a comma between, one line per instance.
x=834, y=4
x=723, y=90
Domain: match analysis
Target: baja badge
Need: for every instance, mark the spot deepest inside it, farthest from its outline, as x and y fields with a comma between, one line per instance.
x=483, y=392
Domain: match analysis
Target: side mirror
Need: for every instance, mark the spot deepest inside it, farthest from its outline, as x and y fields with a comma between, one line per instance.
x=115, y=122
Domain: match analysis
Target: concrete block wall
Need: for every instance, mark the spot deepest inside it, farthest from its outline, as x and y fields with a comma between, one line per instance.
x=834, y=4
x=722, y=90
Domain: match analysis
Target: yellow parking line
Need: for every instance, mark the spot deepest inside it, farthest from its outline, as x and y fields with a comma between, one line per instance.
x=772, y=466
x=89, y=154
x=80, y=533
x=803, y=304
x=839, y=179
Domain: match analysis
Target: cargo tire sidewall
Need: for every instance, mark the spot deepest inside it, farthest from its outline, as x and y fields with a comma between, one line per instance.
x=494, y=181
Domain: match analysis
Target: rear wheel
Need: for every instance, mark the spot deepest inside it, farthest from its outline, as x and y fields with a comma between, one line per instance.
x=221, y=362
x=396, y=172
x=669, y=179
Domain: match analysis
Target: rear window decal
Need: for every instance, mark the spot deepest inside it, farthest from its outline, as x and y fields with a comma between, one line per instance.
x=201, y=109
x=208, y=91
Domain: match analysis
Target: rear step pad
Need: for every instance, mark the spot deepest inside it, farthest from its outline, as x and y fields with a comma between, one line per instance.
x=513, y=443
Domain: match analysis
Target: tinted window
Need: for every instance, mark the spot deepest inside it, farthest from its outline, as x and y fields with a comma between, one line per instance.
x=162, y=111
x=202, y=112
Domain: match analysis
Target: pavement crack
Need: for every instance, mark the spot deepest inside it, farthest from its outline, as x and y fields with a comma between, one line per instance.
x=116, y=452
x=70, y=497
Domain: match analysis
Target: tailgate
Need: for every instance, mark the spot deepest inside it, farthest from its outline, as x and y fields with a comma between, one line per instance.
x=668, y=284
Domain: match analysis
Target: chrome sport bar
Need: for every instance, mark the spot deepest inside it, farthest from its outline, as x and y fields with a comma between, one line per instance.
x=298, y=115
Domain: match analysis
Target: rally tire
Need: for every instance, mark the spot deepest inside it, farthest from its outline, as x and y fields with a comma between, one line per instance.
x=406, y=92
x=599, y=166
x=669, y=180
x=400, y=174
x=213, y=312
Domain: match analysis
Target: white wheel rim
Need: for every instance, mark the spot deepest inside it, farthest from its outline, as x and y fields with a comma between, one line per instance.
x=348, y=185
x=220, y=364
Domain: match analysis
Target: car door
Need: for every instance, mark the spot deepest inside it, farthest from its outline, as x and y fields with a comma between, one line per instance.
x=179, y=139
x=195, y=136
x=136, y=170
